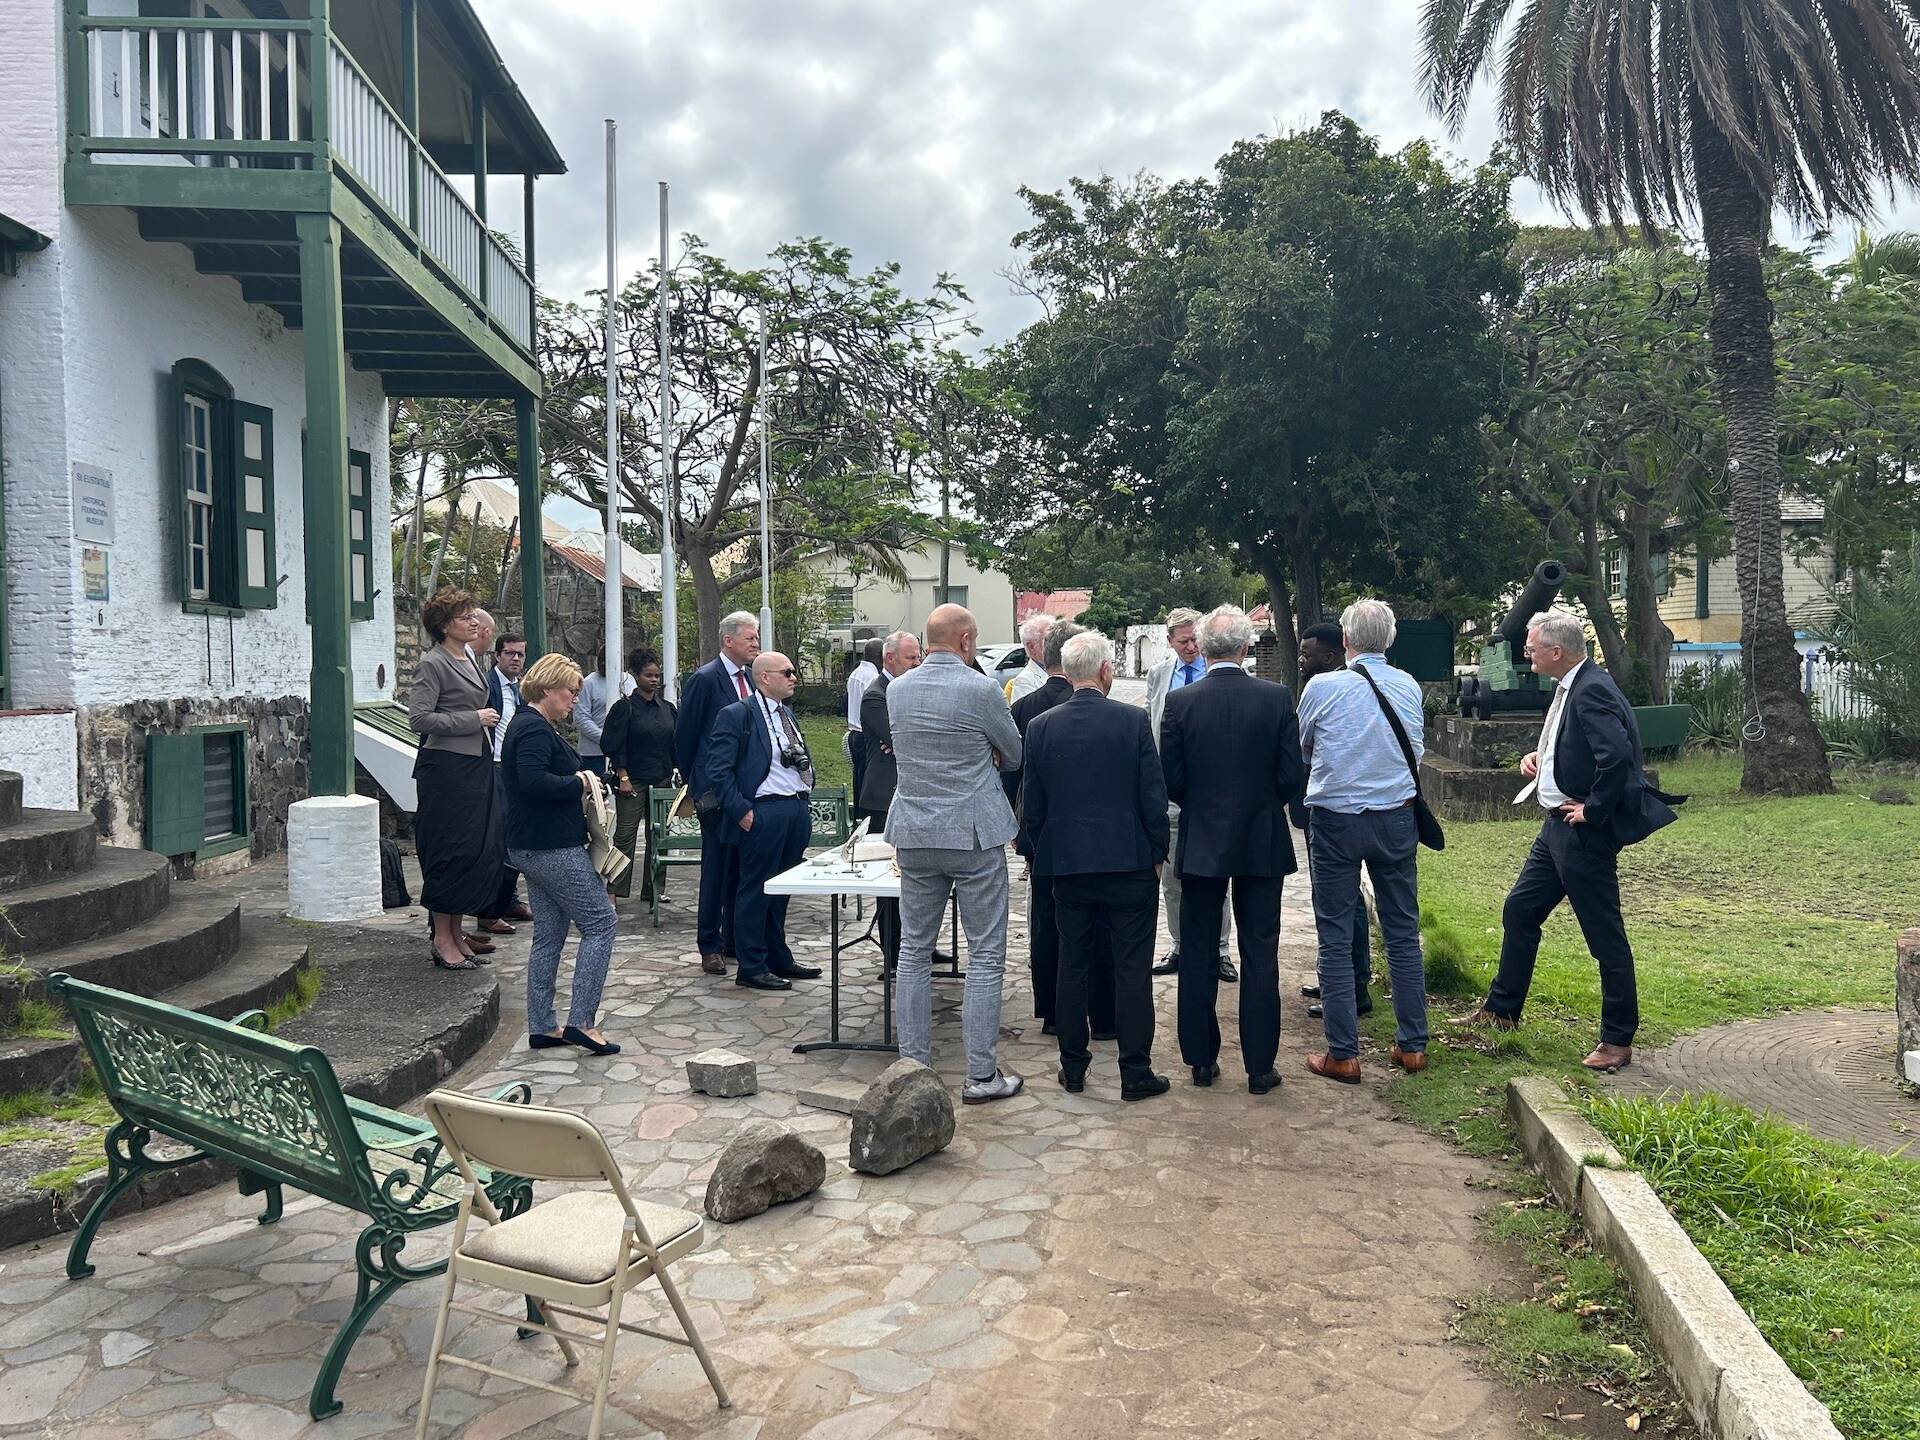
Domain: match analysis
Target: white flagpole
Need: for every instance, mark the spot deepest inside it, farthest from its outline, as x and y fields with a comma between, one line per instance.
x=669, y=570
x=766, y=544
x=614, y=614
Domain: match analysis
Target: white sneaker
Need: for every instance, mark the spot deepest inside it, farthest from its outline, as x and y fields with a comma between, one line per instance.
x=1001, y=1087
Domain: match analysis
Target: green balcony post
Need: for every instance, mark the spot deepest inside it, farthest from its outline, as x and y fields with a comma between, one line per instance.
x=410, y=104
x=330, y=723
x=480, y=182
x=533, y=290
x=533, y=548
x=319, y=80
x=79, y=114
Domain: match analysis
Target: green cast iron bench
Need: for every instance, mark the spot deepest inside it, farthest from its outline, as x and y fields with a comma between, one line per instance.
x=276, y=1112
x=675, y=839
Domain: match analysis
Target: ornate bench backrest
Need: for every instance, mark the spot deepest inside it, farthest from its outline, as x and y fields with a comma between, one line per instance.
x=222, y=1087
x=829, y=816
x=672, y=832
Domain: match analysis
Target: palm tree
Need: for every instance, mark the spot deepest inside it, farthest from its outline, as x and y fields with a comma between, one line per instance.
x=1724, y=109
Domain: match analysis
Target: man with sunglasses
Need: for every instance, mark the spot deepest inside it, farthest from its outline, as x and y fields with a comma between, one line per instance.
x=758, y=764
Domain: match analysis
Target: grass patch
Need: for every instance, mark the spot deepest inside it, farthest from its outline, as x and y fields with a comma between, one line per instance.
x=306, y=990
x=83, y=1105
x=63, y=1179
x=1819, y=1242
x=830, y=764
x=38, y=1020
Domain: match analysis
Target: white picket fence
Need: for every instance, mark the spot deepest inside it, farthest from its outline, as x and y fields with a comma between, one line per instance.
x=1827, y=680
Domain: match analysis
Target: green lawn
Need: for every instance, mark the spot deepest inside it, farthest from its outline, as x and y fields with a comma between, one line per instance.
x=830, y=765
x=1745, y=907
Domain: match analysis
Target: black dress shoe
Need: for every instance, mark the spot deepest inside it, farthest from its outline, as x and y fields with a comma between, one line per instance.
x=1168, y=966
x=763, y=981
x=1106, y=1034
x=1227, y=972
x=1047, y=1027
x=1318, y=1011
x=1148, y=1088
x=1261, y=1084
x=1072, y=1084
x=1205, y=1074
x=1309, y=992
x=941, y=957
x=798, y=972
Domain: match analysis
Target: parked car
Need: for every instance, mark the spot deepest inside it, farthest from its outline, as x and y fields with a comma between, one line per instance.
x=1000, y=657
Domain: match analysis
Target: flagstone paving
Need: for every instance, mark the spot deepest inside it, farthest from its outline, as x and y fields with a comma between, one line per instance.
x=1209, y=1263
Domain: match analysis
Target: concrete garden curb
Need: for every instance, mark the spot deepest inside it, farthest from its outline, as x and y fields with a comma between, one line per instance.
x=1734, y=1384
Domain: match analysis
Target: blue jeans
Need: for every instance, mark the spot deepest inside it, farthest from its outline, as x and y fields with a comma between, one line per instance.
x=564, y=889
x=1387, y=842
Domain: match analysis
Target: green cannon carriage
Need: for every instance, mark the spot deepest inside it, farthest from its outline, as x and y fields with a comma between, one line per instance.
x=1506, y=683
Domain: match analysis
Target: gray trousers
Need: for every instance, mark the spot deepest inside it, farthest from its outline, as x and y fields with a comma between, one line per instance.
x=979, y=879
x=1170, y=891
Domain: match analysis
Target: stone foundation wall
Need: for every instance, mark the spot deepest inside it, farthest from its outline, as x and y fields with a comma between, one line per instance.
x=1907, y=1005
x=113, y=747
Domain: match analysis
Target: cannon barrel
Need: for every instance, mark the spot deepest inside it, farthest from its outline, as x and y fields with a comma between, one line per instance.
x=1541, y=592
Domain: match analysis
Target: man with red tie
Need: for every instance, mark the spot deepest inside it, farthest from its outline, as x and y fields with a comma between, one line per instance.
x=722, y=681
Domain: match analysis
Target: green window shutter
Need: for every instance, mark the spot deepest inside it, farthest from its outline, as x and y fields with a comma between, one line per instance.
x=256, y=561
x=1702, y=576
x=175, y=809
x=360, y=533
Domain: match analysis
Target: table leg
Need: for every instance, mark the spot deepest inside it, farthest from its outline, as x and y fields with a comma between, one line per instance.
x=834, y=1042
x=833, y=1028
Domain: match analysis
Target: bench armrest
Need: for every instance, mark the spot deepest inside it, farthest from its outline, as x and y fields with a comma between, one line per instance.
x=251, y=1020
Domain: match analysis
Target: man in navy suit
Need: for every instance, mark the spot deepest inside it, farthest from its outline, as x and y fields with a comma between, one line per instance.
x=724, y=680
x=1590, y=780
x=1096, y=811
x=761, y=772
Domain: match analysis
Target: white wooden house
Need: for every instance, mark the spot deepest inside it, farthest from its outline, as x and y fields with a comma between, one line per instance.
x=235, y=239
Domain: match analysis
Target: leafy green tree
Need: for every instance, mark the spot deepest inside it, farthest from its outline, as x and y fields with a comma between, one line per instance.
x=1875, y=620
x=1135, y=580
x=1727, y=109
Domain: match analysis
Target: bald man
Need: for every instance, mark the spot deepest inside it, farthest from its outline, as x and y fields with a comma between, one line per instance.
x=950, y=823
x=758, y=764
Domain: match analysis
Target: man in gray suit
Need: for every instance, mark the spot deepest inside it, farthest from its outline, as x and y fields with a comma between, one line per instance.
x=950, y=823
x=1181, y=667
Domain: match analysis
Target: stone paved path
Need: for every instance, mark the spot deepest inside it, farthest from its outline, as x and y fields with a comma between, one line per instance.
x=1828, y=1071
x=1208, y=1264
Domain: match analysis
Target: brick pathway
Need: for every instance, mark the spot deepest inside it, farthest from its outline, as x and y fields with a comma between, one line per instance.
x=1828, y=1071
x=1208, y=1264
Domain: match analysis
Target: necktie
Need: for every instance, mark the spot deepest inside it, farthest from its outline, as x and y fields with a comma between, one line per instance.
x=1549, y=732
x=793, y=740
x=1186, y=673
x=740, y=679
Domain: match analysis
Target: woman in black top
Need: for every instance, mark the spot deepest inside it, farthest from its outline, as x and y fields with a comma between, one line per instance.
x=638, y=740
x=546, y=842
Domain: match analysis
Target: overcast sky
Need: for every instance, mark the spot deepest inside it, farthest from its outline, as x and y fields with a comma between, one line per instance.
x=903, y=128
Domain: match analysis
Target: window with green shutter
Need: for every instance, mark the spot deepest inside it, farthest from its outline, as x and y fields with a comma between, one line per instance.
x=197, y=800
x=223, y=473
x=360, y=532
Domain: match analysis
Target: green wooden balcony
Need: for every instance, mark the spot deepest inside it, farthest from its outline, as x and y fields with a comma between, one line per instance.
x=219, y=131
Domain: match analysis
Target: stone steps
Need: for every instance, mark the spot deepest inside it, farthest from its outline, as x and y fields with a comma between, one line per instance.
x=119, y=890
x=43, y=845
x=194, y=935
x=11, y=787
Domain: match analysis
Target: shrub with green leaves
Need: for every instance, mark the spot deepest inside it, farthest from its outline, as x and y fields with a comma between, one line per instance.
x=1875, y=621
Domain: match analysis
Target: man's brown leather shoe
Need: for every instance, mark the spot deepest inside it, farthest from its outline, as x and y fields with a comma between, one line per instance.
x=1347, y=1072
x=713, y=965
x=1408, y=1060
x=1609, y=1058
x=479, y=943
x=520, y=913
x=496, y=927
x=1485, y=1019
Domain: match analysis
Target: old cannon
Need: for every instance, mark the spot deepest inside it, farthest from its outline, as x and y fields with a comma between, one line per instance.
x=1506, y=683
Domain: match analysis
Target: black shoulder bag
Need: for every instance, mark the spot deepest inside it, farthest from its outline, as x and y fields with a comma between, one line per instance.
x=1425, y=822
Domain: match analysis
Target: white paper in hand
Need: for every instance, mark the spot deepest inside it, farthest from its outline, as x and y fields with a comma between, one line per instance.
x=1526, y=792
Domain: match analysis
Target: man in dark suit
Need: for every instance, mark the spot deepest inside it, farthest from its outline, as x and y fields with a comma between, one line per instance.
x=1230, y=747
x=762, y=775
x=1098, y=845
x=724, y=680
x=899, y=653
x=1590, y=778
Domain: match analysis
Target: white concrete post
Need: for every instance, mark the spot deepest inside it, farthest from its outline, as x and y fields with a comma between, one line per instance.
x=333, y=858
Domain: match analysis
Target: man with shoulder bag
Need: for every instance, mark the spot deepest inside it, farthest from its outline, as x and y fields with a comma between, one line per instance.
x=1361, y=730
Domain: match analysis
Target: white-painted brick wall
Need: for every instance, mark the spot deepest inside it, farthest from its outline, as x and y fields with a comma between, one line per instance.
x=41, y=747
x=333, y=858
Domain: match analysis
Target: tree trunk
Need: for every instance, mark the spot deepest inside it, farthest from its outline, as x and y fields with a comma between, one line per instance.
x=1783, y=752
x=706, y=600
x=418, y=530
x=1280, y=602
x=1649, y=641
x=446, y=539
x=1305, y=561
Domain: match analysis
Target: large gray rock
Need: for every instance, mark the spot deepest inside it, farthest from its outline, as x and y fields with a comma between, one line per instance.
x=905, y=1116
x=766, y=1164
x=722, y=1073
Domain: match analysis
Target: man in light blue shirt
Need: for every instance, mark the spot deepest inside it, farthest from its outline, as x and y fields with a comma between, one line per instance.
x=1360, y=793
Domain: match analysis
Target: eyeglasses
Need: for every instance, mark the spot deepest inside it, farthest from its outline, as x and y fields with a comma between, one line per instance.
x=788, y=673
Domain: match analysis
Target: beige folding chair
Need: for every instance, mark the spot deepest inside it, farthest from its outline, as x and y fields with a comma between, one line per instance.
x=586, y=1248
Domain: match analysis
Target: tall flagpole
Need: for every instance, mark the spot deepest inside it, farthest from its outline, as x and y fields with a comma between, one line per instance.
x=669, y=570
x=766, y=545
x=614, y=614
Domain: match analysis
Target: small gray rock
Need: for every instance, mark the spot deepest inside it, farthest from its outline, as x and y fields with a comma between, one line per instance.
x=905, y=1116
x=766, y=1164
x=722, y=1073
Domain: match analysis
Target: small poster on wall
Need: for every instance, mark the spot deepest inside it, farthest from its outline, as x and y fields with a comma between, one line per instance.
x=93, y=572
x=92, y=504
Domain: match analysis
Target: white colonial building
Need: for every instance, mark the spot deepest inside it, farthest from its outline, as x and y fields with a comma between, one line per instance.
x=227, y=238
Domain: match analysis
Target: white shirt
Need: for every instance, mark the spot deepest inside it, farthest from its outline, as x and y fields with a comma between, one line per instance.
x=1027, y=681
x=1551, y=796
x=782, y=779
x=864, y=674
x=509, y=702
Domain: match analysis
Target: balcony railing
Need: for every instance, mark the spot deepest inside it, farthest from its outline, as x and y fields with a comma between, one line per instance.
x=238, y=94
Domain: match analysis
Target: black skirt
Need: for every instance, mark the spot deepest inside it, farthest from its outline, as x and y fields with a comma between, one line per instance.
x=457, y=830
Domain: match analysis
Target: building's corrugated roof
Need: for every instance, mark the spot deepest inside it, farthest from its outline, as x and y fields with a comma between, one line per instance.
x=1799, y=507
x=593, y=566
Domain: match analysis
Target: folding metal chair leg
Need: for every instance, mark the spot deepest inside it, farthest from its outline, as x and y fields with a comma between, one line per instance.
x=694, y=1340
x=433, y=1355
x=606, y=1363
x=540, y=1317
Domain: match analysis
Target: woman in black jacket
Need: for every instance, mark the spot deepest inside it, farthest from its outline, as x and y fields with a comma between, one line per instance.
x=638, y=740
x=546, y=842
